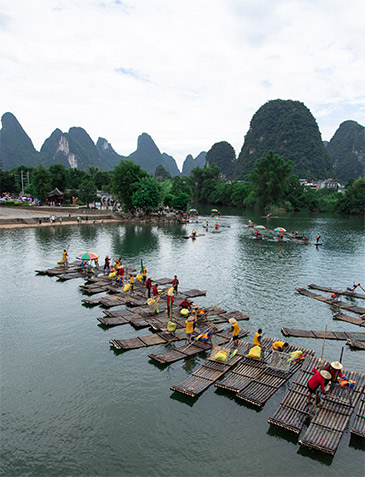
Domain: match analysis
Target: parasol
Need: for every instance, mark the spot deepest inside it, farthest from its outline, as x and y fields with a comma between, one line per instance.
x=88, y=256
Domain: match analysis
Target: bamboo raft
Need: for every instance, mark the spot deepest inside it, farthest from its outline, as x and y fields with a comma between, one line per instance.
x=188, y=350
x=255, y=381
x=210, y=372
x=349, y=319
x=355, y=309
x=357, y=344
x=358, y=428
x=340, y=292
x=331, y=418
x=329, y=335
x=161, y=337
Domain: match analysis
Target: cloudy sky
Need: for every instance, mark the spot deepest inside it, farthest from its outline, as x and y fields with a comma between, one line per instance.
x=188, y=72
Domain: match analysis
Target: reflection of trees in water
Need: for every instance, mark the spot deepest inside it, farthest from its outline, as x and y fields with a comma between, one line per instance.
x=46, y=236
x=88, y=232
x=135, y=241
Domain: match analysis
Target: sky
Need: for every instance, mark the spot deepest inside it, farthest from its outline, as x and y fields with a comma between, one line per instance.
x=189, y=73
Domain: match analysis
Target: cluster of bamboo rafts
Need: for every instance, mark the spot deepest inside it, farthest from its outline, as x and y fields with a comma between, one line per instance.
x=251, y=380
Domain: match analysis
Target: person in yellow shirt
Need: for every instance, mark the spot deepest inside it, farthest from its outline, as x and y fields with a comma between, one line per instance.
x=235, y=331
x=280, y=345
x=257, y=338
x=189, y=328
x=65, y=258
x=131, y=281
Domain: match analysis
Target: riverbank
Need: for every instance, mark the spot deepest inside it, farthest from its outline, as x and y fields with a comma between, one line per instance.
x=16, y=217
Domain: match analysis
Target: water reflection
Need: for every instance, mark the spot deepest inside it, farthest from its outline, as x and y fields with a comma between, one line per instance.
x=134, y=241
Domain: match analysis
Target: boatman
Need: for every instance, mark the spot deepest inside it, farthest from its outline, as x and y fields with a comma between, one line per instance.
x=320, y=379
x=170, y=302
x=335, y=370
x=193, y=234
x=235, y=331
x=175, y=284
x=318, y=237
x=189, y=327
x=279, y=345
x=131, y=281
x=106, y=263
x=353, y=288
x=64, y=258
x=257, y=338
x=185, y=304
x=149, y=286
x=144, y=275
x=334, y=296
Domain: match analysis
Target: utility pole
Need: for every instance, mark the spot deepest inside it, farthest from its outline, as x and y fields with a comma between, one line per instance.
x=21, y=176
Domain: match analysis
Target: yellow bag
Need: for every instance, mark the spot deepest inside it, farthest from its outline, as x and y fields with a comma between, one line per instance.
x=295, y=354
x=221, y=356
x=60, y=262
x=126, y=287
x=255, y=352
x=184, y=312
x=139, y=277
x=112, y=274
x=171, y=326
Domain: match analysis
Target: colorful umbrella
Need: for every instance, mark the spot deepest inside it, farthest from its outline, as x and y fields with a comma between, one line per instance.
x=214, y=210
x=279, y=229
x=192, y=210
x=260, y=227
x=88, y=256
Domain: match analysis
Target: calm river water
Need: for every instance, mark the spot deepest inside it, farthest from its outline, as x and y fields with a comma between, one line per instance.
x=71, y=406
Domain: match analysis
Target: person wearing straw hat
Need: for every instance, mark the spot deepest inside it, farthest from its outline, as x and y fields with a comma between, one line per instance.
x=319, y=380
x=335, y=370
x=235, y=331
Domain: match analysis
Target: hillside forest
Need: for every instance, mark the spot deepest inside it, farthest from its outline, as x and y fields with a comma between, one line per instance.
x=270, y=185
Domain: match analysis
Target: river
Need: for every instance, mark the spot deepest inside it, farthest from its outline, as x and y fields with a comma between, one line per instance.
x=71, y=406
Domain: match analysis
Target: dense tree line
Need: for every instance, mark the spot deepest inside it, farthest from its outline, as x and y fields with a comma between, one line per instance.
x=271, y=184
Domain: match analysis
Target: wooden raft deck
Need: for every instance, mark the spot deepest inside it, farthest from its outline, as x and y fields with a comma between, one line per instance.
x=354, y=309
x=331, y=419
x=349, y=319
x=188, y=350
x=254, y=381
x=210, y=372
x=340, y=292
x=358, y=428
x=330, y=335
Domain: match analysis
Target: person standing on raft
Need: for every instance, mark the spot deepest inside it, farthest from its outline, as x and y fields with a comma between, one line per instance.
x=175, y=284
x=335, y=370
x=149, y=286
x=235, y=331
x=170, y=301
x=106, y=263
x=131, y=281
x=155, y=290
x=320, y=379
x=193, y=234
x=144, y=275
x=189, y=327
x=318, y=237
x=65, y=258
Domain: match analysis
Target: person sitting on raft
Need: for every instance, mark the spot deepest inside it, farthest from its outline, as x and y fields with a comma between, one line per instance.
x=119, y=279
x=206, y=337
x=235, y=331
x=257, y=337
x=155, y=289
x=279, y=345
x=334, y=296
x=335, y=370
x=320, y=379
x=185, y=304
x=353, y=288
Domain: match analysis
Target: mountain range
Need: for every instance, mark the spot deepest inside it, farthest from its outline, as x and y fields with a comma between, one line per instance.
x=285, y=127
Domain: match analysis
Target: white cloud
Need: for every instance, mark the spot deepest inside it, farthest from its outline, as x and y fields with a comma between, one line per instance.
x=188, y=73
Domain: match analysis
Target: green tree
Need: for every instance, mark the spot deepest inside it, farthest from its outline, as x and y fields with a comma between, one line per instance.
x=87, y=191
x=180, y=185
x=353, y=201
x=181, y=201
x=240, y=191
x=58, y=176
x=270, y=179
x=125, y=178
x=168, y=199
x=102, y=179
x=148, y=194
x=203, y=182
x=161, y=174
x=42, y=183
x=8, y=182
x=75, y=177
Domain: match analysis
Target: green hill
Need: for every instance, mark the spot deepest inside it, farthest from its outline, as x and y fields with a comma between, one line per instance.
x=223, y=155
x=286, y=128
x=347, y=151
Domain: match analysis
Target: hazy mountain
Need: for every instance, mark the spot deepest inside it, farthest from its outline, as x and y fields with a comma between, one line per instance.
x=347, y=151
x=288, y=129
x=190, y=163
x=16, y=147
x=223, y=155
x=148, y=156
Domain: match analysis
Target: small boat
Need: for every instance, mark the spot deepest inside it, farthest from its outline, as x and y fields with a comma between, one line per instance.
x=193, y=236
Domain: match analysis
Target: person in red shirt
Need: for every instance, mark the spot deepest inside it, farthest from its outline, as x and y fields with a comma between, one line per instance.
x=175, y=284
x=149, y=286
x=335, y=370
x=318, y=237
x=185, y=304
x=320, y=379
x=155, y=289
